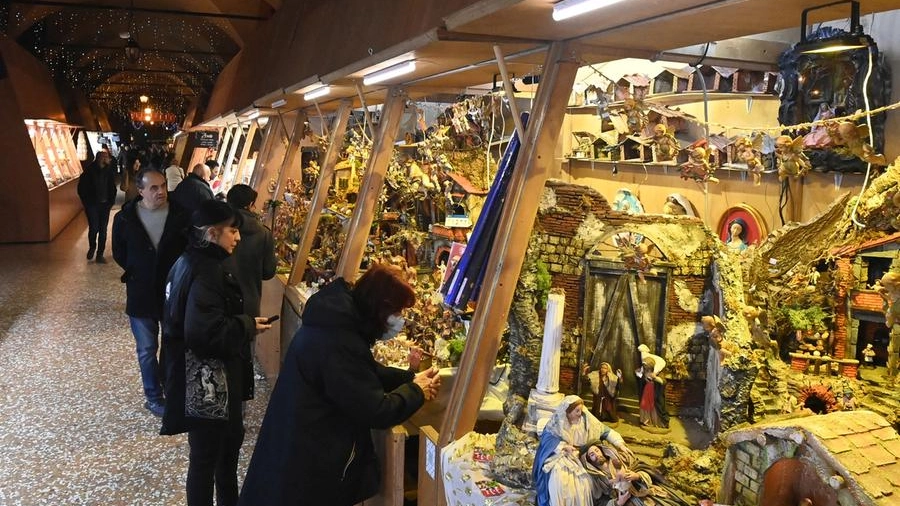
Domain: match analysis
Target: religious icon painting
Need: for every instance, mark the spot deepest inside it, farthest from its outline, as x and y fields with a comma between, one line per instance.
x=740, y=227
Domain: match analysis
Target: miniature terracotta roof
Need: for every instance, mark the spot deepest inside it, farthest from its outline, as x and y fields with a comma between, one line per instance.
x=874, y=243
x=636, y=79
x=465, y=184
x=682, y=73
x=861, y=442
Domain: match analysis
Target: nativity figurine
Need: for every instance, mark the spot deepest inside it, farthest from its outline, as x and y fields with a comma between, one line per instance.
x=558, y=475
x=736, y=242
x=605, y=389
x=624, y=481
x=652, y=393
x=712, y=399
x=850, y=139
x=748, y=151
x=665, y=144
x=889, y=289
x=698, y=167
x=792, y=162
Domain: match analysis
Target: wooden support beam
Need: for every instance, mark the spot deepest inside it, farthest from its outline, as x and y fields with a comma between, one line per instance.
x=292, y=150
x=226, y=171
x=372, y=183
x=245, y=152
x=220, y=155
x=326, y=179
x=269, y=133
x=508, y=255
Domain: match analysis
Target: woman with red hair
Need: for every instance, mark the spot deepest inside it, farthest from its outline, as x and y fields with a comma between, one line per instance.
x=314, y=446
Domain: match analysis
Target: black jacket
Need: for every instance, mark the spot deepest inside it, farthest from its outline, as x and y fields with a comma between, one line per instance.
x=146, y=268
x=191, y=192
x=204, y=312
x=314, y=446
x=97, y=185
x=253, y=260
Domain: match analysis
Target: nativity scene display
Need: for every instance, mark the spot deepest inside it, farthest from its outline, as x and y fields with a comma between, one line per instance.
x=668, y=358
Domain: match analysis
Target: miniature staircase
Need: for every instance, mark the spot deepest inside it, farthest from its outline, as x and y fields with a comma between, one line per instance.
x=767, y=393
x=882, y=399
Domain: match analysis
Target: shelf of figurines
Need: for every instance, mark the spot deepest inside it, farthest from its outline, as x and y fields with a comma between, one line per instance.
x=673, y=99
x=741, y=169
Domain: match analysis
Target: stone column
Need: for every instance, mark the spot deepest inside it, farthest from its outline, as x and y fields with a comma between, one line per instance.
x=548, y=376
x=546, y=396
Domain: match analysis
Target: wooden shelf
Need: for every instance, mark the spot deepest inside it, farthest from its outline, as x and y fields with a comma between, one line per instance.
x=679, y=99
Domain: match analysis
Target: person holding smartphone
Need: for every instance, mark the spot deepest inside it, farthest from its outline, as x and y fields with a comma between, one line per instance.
x=204, y=317
x=315, y=446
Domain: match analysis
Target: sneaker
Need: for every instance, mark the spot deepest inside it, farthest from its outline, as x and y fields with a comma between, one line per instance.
x=90, y=254
x=100, y=259
x=156, y=408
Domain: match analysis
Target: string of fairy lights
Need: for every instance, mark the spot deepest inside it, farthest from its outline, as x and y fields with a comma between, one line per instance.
x=84, y=48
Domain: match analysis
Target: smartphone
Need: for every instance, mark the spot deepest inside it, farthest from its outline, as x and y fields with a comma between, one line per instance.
x=271, y=319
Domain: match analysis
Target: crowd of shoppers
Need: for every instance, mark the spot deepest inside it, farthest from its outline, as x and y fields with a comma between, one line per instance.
x=193, y=266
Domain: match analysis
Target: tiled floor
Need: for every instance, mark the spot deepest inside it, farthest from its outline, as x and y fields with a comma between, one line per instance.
x=73, y=430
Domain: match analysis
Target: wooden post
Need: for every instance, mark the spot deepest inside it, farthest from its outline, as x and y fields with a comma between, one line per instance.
x=220, y=155
x=291, y=154
x=326, y=177
x=431, y=485
x=508, y=255
x=269, y=135
x=390, y=446
x=227, y=173
x=370, y=188
x=245, y=152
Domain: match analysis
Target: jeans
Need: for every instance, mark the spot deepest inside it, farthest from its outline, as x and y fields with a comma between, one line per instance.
x=146, y=336
x=98, y=221
x=213, y=462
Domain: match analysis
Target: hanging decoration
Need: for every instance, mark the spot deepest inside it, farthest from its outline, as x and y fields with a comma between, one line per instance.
x=792, y=162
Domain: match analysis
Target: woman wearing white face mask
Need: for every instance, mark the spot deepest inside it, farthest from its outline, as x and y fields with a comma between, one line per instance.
x=314, y=446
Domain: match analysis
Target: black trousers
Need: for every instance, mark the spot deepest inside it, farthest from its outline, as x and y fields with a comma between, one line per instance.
x=213, y=463
x=98, y=221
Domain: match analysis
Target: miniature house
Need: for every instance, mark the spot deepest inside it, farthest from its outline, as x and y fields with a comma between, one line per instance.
x=672, y=81
x=843, y=458
x=635, y=86
x=859, y=314
x=755, y=81
x=716, y=79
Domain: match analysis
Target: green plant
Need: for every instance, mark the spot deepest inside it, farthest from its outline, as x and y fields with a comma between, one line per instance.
x=456, y=347
x=541, y=282
x=806, y=318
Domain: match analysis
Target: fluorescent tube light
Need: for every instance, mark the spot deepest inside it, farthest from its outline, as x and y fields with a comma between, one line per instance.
x=566, y=9
x=253, y=114
x=390, y=72
x=321, y=91
x=278, y=103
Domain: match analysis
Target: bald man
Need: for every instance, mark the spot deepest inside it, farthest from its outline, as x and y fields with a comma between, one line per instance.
x=194, y=189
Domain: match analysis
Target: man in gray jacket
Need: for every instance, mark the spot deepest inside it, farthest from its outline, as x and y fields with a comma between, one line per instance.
x=253, y=259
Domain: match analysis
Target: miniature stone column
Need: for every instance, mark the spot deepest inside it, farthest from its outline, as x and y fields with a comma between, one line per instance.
x=545, y=397
x=548, y=376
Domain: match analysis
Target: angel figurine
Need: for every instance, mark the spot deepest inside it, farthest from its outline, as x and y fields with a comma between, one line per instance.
x=851, y=139
x=665, y=142
x=748, y=152
x=792, y=162
x=635, y=116
x=697, y=167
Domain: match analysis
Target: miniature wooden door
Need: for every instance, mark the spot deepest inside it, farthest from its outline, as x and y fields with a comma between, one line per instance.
x=621, y=312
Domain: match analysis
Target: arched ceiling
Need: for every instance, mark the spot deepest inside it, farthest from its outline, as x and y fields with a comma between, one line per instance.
x=184, y=45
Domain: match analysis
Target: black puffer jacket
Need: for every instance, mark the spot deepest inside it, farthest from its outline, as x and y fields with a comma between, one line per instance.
x=314, y=446
x=204, y=312
x=146, y=268
x=191, y=192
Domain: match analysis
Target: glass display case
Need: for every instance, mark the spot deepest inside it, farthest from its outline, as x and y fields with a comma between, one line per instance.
x=55, y=150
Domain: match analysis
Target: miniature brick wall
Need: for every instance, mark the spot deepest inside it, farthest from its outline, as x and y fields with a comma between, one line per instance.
x=563, y=254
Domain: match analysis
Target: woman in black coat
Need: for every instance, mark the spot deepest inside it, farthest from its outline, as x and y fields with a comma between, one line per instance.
x=314, y=446
x=207, y=332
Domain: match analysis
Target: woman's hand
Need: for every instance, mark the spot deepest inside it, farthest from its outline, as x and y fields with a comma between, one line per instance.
x=414, y=358
x=261, y=325
x=627, y=454
x=429, y=382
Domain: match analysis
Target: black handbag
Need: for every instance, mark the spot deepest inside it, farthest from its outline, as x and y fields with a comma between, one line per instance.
x=206, y=387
